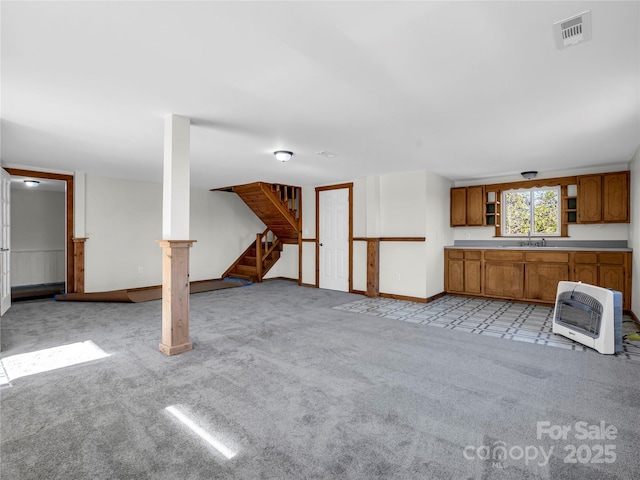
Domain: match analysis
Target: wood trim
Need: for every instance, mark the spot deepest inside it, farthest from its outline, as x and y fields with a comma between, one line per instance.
x=309, y=240
x=335, y=187
x=536, y=183
x=564, y=224
x=339, y=186
x=175, y=296
x=407, y=298
x=78, y=264
x=300, y=259
x=70, y=276
x=308, y=285
x=280, y=278
x=373, y=267
x=390, y=239
x=403, y=297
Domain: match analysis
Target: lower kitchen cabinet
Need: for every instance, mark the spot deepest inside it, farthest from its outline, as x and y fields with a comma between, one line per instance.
x=463, y=271
x=533, y=275
x=541, y=280
x=503, y=279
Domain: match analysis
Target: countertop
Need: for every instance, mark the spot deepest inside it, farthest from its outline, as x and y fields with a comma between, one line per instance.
x=552, y=248
x=552, y=245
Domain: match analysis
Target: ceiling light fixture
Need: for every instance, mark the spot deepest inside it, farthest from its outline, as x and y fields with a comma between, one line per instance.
x=31, y=183
x=283, y=155
x=529, y=175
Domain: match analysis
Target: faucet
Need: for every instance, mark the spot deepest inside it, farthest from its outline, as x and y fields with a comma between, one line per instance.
x=543, y=242
x=529, y=239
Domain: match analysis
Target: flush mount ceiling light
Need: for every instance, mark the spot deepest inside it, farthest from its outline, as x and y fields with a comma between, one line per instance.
x=283, y=155
x=31, y=183
x=529, y=175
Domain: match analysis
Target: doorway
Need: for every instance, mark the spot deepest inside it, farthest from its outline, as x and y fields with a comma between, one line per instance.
x=67, y=182
x=334, y=243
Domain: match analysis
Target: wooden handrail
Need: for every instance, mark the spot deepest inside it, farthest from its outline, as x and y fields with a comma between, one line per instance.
x=289, y=197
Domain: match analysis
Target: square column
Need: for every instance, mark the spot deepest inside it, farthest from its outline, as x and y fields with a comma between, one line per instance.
x=175, y=296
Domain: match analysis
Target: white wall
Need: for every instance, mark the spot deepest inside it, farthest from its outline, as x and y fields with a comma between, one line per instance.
x=634, y=231
x=403, y=265
x=410, y=204
x=124, y=220
x=37, y=236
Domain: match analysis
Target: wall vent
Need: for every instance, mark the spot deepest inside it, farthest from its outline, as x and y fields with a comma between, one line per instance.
x=573, y=30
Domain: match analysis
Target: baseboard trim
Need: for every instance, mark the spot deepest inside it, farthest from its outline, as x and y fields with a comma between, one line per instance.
x=280, y=278
x=406, y=298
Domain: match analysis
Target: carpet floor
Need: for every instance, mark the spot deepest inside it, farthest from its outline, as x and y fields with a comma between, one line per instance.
x=283, y=385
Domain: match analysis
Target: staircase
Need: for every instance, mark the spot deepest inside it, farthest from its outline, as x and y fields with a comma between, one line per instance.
x=258, y=259
x=279, y=207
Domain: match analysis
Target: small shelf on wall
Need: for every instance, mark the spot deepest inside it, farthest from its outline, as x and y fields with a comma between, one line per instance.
x=490, y=208
x=571, y=204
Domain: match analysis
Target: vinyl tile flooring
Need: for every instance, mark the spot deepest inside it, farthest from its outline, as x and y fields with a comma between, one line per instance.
x=509, y=320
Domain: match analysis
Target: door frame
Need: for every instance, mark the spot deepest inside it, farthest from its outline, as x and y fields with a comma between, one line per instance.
x=339, y=186
x=70, y=277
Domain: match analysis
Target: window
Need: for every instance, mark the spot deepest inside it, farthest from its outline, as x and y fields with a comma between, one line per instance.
x=534, y=211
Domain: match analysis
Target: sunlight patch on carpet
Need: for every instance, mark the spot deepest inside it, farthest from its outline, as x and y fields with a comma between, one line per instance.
x=201, y=432
x=40, y=361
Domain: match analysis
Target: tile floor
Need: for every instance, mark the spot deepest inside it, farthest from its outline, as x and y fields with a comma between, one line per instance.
x=513, y=321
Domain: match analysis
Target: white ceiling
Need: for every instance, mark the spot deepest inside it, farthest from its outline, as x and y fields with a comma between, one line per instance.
x=467, y=90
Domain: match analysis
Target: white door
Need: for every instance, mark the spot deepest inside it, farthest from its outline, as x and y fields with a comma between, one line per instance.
x=334, y=239
x=5, y=241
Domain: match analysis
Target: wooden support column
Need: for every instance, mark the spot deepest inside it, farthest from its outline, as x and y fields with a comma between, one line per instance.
x=175, y=228
x=373, y=267
x=175, y=296
x=78, y=264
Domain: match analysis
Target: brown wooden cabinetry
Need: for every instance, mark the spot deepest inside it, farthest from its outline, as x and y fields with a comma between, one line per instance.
x=458, y=207
x=605, y=269
x=503, y=279
x=533, y=275
x=543, y=271
x=467, y=206
x=463, y=271
x=503, y=273
x=590, y=199
x=615, y=197
x=603, y=198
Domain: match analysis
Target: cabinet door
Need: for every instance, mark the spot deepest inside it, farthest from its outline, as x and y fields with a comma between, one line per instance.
x=541, y=280
x=475, y=206
x=504, y=280
x=458, y=207
x=612, y=276
x=615, y=197
x=589, y=198
x=472, y=282
x=455, y=276
x=586, y=274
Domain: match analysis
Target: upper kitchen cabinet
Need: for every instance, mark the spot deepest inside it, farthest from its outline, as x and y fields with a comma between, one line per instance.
x=467, y=206
x=603, y=198
x=590, y=199
x=615, y=197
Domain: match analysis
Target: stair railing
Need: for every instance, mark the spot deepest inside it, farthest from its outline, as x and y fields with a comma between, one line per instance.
x=266, y=242
x=290, y=197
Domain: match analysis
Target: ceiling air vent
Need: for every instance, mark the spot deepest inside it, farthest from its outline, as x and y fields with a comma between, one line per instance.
x=573, y=30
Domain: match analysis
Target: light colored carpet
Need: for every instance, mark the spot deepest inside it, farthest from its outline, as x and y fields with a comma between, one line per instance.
x=300, y=390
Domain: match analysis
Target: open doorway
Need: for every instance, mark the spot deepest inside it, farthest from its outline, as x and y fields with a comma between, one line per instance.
x=42, y=234
x=38, y=250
